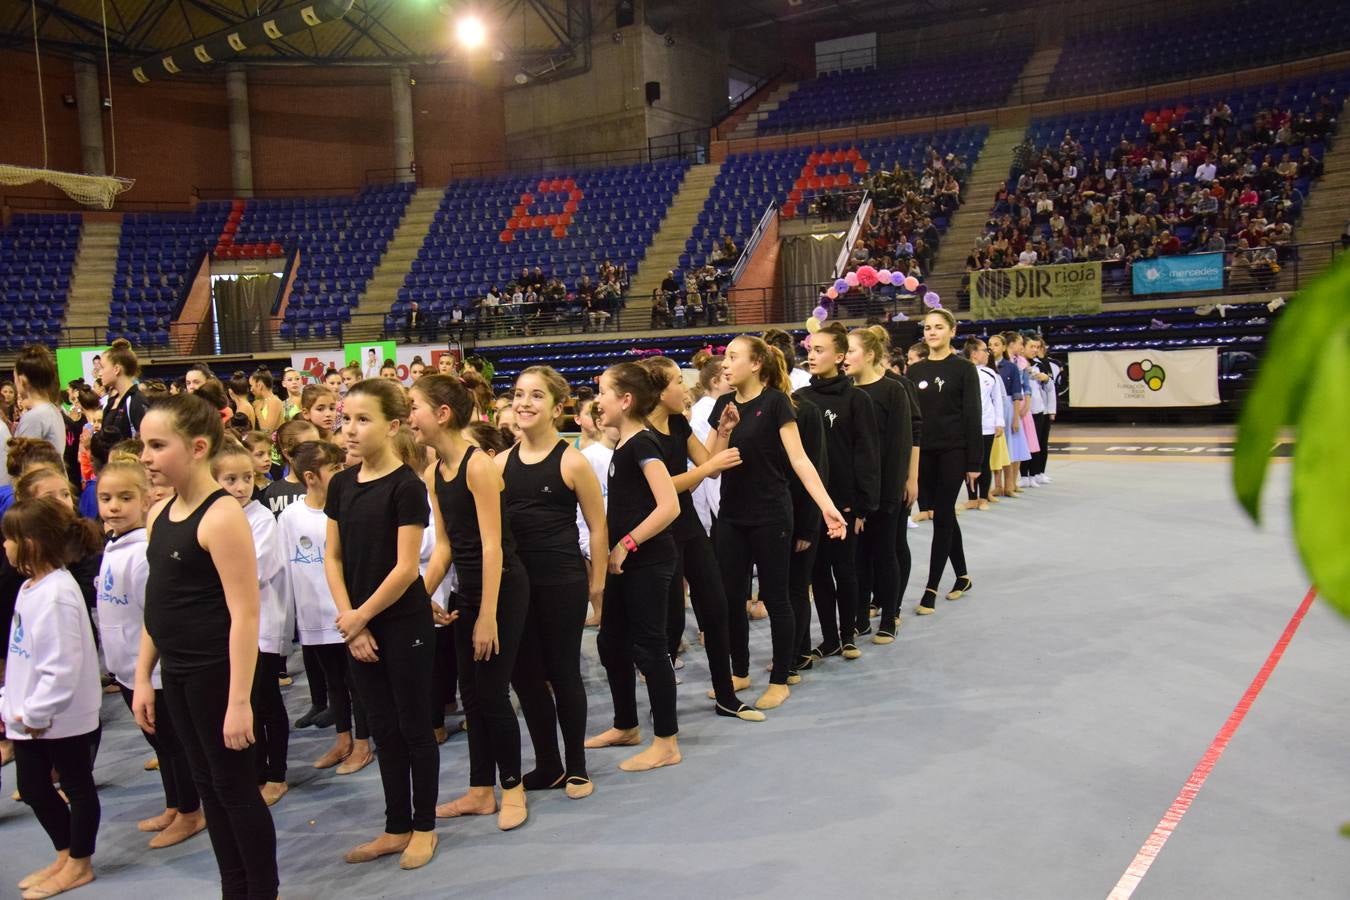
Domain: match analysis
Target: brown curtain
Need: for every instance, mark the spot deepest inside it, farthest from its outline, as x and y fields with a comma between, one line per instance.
x=806, y=262
x=244, y=310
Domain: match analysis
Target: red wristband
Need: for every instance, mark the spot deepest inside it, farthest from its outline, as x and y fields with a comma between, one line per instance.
x=628, y=543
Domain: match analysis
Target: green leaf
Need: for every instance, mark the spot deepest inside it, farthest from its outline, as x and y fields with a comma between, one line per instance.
x=1321, y=475
x=1292, y=352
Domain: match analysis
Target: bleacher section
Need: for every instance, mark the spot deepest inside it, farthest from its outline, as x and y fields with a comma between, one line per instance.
x=37, y=254
x=156, y=255
x=567, y=223
x=920, y=88
x=1244, y=35
x=748, y=182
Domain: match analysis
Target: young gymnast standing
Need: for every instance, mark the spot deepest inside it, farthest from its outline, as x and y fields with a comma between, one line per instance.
x=377, y=512
x=547, y=480
x=201, y=624
x=50, y=703
x=991, y=416
x=949, y=392
x=642, y=507
x=123, y=502
x=755, y=526
x=492, y=601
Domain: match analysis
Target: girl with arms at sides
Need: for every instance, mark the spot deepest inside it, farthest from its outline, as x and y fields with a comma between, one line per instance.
x=1014, y=402
x=493, y=597
x=547, y=480
x=50, y=704
x=991, y=416
x=878, y=563
x=694, y=560
x=756, y=522
x=949, y=392
x=377, y=511
x=642, y=507
x=201, y=625
x=123, y=502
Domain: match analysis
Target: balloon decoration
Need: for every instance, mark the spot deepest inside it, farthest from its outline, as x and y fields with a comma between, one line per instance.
x=899, y=317
x=833, y=294
x=898, y=279
x=932, y=300
x=911, y=283
x=883, y=276
x=813, y=324
x=851, y=279
x=820, y=313
x=841, y=286
x=867, y=276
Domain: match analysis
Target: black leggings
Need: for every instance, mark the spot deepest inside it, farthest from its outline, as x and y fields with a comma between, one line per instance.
x=396, y=692
x=315, y=677
x=695, y=563
x=768, y=548
x=981, y=491
x=485, y=686
x=633, y=632
x=550, y=657
x=878, y=569
x=179, y=791
x=72, y=827
x=944, y=470
x=675, y=620
x=336, y=662
x=800, y=566
x=238, y=821
x=834, y=582
x=270, y=725
x=1036, y=465
x=903, y=557
x=444, y=676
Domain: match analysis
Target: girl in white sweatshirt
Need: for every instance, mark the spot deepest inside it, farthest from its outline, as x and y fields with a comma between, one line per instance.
x=50, y=703
x=232, y=467
x=123, y=502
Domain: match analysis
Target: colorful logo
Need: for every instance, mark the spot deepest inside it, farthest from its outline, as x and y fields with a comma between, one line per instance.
x=1146, y=371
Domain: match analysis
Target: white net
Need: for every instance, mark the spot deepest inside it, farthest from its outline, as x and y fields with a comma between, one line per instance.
x=91, y=190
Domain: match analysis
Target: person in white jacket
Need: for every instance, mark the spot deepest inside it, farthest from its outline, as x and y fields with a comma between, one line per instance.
x=233, y=468
x=992, y=422
x=50, y=703
x=123, y=502
x=302, y=535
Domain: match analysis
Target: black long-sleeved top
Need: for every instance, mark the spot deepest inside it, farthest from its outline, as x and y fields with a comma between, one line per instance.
x=806, y=516
x=890, y=402
x=851, y=442
x=949, y=395
x=915, y=413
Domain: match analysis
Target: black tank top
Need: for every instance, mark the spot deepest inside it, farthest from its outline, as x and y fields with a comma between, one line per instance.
x=460, y=514
x=543, y=514
x=185, y=611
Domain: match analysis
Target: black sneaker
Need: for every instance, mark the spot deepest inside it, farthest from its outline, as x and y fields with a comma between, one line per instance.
x=324, y=719
x=308, y=718
x=822, y=651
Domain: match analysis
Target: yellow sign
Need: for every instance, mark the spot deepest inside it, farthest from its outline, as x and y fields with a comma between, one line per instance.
x=1069, y=289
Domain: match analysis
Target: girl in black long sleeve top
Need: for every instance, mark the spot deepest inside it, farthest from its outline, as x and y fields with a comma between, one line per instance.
x=949, y=395
x=853, y=484
x=878, y=563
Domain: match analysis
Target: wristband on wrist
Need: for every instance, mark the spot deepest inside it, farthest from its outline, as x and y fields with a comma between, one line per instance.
x=628, y=543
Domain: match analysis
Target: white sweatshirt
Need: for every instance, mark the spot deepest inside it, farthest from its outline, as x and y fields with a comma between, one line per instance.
x=302, y=541
x=52, y=671
x=121, y=606
x=991, y=400
x=440, y=596
x=598, y=455
x=708, y=494
x=271, y=603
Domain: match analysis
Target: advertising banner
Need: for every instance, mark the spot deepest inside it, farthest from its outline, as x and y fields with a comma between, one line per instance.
x=1173, y=274
x=313, y=363
x=1071, y=289
x=1144, y=378
x=78, y=362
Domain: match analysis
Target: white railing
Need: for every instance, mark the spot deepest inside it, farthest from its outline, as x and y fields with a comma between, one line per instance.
x=753, y=242
x=855, y=229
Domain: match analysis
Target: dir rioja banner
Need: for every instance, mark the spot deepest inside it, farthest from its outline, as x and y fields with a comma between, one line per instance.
x=313, y=363
x=1172, y=274
x=1070, y=289
x=1117, y=378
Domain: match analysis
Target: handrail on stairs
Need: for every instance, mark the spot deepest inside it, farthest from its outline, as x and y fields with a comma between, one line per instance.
x=752, y=243
x=855, y=229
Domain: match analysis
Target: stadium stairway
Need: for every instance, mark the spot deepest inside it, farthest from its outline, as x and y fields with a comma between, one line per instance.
x=1328, y=207
x=1032, y=84
x=382, y=289
x=989, y=170
x=750, y=124
x=91, y=286
x=668, y=243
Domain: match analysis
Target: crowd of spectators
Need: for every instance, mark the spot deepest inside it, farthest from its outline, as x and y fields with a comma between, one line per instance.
x=535, y=297
x=1198, y=182
x=698, y=299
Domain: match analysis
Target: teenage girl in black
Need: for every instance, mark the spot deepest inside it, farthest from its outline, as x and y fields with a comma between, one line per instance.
x=546, y=480
x=642, y=507
x=492, y=600
x=694, y=559
x=949, y=394
x=377, y=511
x=755, y=526
x=853, y=483
x=878, y=565
x=201, y=625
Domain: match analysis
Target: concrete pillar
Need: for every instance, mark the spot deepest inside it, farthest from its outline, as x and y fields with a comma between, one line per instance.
x=89, y=103
x=241, y=153
x=401, y=95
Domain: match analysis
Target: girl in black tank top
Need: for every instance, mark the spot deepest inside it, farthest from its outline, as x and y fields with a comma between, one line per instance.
x=546, y=480
x=694, y=559
x=201, y=617
x=492, y=600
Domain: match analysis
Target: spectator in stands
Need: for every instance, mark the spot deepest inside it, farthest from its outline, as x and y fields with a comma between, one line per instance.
x=660, y=309
x=669, y=285
x=417, y=324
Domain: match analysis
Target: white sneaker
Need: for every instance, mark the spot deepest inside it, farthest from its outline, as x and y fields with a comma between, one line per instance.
x=1038, y=480
x=1025, y=481
x=1045, y=479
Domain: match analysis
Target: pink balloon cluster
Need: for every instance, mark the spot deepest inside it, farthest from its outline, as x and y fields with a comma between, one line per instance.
x=867, y=276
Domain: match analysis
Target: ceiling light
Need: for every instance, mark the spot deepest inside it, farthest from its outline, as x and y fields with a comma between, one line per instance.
x=470, y=32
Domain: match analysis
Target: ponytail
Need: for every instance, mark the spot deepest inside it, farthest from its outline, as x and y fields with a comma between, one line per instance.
x=644, y=384
x=773, y=368
x=48, y=534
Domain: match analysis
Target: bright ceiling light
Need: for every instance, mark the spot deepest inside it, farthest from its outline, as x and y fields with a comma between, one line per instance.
x=471, y=32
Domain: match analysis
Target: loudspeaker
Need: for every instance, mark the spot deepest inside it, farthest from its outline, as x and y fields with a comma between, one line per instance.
x=625, y=14
x=653, y=92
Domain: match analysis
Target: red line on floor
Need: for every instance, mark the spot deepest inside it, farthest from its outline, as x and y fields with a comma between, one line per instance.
x=1172, y=818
